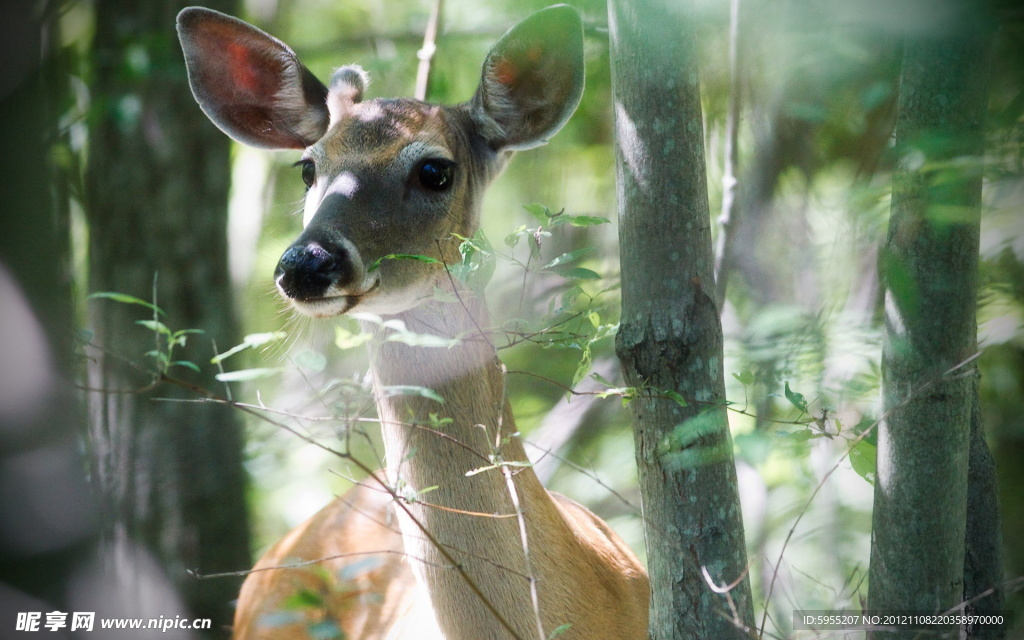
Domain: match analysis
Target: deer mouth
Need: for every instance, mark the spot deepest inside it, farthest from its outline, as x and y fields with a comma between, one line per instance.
x=328, y=306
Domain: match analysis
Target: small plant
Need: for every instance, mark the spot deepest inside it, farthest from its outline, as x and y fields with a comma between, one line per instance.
x=166, y=339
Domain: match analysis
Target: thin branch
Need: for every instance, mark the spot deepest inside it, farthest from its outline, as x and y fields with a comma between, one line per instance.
x=732, y=120
x=513, y=494
x=589, y=473
x=306, y=563
x=726, y=591
x=426, y=52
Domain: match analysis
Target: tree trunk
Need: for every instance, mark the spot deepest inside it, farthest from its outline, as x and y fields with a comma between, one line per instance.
x=930, y=264
x=48, y=526
x=670, y=340
x=157, y=185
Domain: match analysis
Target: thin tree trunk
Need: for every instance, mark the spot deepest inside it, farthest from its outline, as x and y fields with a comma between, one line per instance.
x=670, y=338
x=930, y=262
x=157, y=201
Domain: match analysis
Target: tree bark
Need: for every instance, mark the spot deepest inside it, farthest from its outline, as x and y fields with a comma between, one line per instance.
x=930, y=264
x=157, y=185
x=670, y=338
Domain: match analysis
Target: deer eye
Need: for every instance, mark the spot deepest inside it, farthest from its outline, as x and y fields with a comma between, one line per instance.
x=436, y=174
x=308, y=171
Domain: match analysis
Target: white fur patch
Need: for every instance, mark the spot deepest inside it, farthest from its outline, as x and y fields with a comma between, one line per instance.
x=345, y=184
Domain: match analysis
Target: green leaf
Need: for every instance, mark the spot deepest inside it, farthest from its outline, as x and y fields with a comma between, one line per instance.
x=746, y=378
x=162, y=359
x=570, y=296
x=546, y=217
x=583, y=368
x=586, y=221
x=413, y=390
x=674, y=395
x=402, y=256
x=426, y=490
x=797, y=399
x=437, y=421
x=180, y=337
x=538, y=211
x=570, y=257
x=250, y=341
x=154, y=325
x=345, y=339
x=126, y=299
x=187, y=364
x=796, y=436
x=478, y=264
x=422, y=340
x=248, y=374
x=559, y=631
x=863, y=459
x=602, y=379
x=303, y=599
x=512, y=239
x=866, y=423
x=579, y=273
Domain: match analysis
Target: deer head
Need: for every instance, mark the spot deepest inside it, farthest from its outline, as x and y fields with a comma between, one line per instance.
x=383, y=176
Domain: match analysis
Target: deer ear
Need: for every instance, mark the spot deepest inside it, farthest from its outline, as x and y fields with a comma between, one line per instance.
x=249, y=83
x=532, y=80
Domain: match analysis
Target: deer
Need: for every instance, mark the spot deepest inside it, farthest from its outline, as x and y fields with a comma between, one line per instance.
x=492, y=554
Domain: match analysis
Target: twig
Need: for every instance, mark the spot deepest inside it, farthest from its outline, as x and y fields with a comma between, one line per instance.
x=304, y=563
x=728, y=216
x=426, y=52
x=513, y=494
x=725, y=591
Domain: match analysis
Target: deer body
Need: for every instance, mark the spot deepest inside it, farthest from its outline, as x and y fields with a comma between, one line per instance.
x=489, y=552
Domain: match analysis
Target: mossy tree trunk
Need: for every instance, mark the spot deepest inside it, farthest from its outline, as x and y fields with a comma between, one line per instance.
x=670, y=339
x=157, y=187
x=930, y=438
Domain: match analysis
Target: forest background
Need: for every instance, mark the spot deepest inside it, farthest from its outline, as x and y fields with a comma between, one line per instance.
x=150, y=201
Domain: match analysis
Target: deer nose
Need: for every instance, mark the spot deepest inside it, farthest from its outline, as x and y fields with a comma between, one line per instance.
x=307, y=271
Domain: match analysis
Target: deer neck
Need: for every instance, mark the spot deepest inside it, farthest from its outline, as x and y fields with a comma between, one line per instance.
x=444, y=454
x=431, y=443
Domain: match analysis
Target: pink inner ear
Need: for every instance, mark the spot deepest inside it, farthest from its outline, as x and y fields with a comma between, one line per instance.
x=248, y=70
x=243, y=71
x=506, y=72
